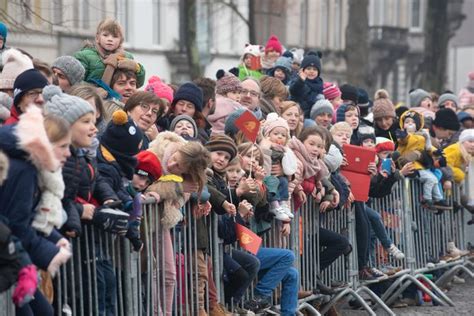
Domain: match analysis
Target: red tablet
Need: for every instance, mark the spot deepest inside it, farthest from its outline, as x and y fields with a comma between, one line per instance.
x=358, y=158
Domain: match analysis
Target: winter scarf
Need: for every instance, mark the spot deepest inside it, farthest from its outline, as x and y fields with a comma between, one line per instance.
x=310, y=167
x=315, y=84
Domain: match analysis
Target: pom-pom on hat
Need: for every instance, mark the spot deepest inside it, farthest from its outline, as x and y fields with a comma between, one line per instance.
x=160, y=89
x=331, y=90
x=69, y=107
x=71, y=67
x=190, y=92
x=312, y=59
x=26, y=81
x=273, y=121
x=273, y=43
x=148, y=165
x=320, y=107
x=384, y=144
x=122, y=135
x=467, y=135
x=222, y=143
x=383, y=107
x=227, y=82
x=14, y=63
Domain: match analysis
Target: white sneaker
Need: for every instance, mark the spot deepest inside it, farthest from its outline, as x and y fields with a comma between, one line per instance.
x=458, y=280
x=280, y=214
x=396, y=253
x=455, y=251
x=287, y=210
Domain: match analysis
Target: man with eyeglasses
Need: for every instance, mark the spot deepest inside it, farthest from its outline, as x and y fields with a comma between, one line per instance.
x=250, y=96
x=27, y=89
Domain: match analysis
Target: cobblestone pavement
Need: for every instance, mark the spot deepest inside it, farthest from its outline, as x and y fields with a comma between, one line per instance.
x=461, y=294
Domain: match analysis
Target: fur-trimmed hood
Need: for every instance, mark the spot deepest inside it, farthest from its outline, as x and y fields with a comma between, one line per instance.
x=165, y=145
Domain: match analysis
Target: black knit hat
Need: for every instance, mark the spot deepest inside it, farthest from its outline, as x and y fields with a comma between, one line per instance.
x=349, y=92
x=224, y=143
x=312, y=59
x=189, y=92
x=26, y=81
x=446, y=118
x=366, y=132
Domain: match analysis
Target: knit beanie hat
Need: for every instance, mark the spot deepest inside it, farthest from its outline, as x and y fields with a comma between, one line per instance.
x=331, y=90
x=349, y=92
x=320, y=107
x=341, y=127
x=69, y=107
x=229, y=127
x=273, y=43
x=341, y=113
x=185, y=118
x=273, y=121
x=418, y=95
x=298, y=55
x=446, y=118
x=470, y=76
x=189, y=91
x=3, y=34
x=148, y=165
x=384, y=144
x=448, y=97
x=284, y=63
x=160, y=89
x=122, y=135
x=14, y=63
x=227, y=82
x=71, y=67
x=223, y=143
x=312, y=59
x=365, y=132
x=363, y=100
x=462, y=116
x=26, y=81
x=467, y=135
x=383, y=107
x=417, y=117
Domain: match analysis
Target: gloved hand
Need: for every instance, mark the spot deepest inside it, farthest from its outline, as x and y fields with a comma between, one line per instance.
x=61, y=257
x=111, y=220
x=400, y=134
x=133, y=234
x=26, y=285
x=128, y=64
x=113, y=59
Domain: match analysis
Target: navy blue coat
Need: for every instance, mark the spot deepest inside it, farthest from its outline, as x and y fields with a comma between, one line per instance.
x=19, y=195
x=306, y=93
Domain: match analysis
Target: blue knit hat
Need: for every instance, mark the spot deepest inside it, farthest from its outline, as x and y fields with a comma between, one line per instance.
x=341, y=113
x=189, y=92
x=26, y=81
x=3, y=34
x=312, y=59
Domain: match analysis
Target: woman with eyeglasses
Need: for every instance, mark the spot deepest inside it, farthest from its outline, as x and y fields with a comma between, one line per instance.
x=144, y=108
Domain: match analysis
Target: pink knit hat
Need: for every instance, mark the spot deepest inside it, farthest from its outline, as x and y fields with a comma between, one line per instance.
x=273, y=121
x=14, y=63
x=331, y=90
x=274, y=44
x=160, y=89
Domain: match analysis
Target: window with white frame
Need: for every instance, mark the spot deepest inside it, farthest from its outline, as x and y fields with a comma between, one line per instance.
x=124, y=16
x=416, y=15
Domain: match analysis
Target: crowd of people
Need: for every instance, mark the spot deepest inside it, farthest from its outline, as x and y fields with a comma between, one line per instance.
x=85, y=140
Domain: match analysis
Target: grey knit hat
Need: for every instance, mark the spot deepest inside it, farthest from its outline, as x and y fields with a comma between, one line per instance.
x=69, y=107
x=71, y=67
x=448, y=97
x=320, y=107
x=186, y=118
x=416, y=96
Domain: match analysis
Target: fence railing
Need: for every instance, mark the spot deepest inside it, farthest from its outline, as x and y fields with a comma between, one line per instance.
x=169, y=278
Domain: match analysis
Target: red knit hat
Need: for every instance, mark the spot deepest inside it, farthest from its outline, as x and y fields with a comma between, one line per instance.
x=160, y=89
x=384, y=144
x=274, y=44
x=148, y=165
x=331, y=90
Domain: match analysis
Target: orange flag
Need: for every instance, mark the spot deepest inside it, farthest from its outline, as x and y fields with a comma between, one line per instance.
x=249, y=125
x=248, y=240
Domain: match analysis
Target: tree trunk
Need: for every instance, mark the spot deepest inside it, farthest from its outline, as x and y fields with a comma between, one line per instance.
x=192, y=52
x=251, y=22
x=357, y=44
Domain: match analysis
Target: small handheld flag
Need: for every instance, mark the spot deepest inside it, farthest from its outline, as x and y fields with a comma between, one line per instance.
x=248, y=240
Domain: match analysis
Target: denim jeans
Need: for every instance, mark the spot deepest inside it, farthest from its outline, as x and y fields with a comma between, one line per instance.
x=277, y=188
x=431, y=190
x=38, y=306
x=245, y=267
x=276, y=265
x=377, y=231
x=283, y=188
x=106, y=287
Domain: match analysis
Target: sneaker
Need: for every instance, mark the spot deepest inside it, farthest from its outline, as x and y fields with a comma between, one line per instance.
x=458, y=280
x=428, y=204
x=366, y=276
x=449, y=258
x=442, y=205
x=455, y=251
x=287, y=210
x=379, y=275
x=389, y=270
x=258, y=304
x=396, y=253
x=219, y=310
x=280, y=214
x=239, y=311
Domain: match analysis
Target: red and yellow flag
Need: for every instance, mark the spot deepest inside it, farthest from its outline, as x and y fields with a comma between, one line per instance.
x=248, y=240
x=249, y=125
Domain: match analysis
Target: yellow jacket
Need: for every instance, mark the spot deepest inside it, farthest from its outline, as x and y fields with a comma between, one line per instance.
x=456, y=161
x=413, y=142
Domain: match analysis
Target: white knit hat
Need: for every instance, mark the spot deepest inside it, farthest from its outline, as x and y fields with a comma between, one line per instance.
x=14, y=63
x=467, y=135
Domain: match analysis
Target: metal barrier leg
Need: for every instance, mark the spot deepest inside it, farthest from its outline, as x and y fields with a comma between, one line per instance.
x=377, y=299
x=344, y=293
x=436, y=288
x=448, y=275
x=309, y=308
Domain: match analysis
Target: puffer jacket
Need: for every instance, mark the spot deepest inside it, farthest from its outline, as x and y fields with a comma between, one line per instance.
x=456, y=160
x=306, y=93
x=95, y=67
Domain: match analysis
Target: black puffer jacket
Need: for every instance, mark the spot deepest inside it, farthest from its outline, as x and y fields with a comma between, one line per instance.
x=72, y=176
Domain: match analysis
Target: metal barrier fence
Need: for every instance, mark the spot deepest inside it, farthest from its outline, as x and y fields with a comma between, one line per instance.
x=163, y=279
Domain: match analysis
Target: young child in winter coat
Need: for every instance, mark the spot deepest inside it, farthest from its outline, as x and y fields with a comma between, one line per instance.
x=276, y=135
x=273, y=50
x=250, y=62
x=107, y=51
x=308, y=87
x=282, y=69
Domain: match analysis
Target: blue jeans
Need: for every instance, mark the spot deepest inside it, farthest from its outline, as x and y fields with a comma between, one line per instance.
x=377, y=231
x=277, y=188
x=431, y=190
x=276, y=265
x=106, y=287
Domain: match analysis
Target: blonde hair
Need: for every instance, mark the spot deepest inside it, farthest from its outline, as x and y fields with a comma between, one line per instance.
x=285, y=106
x=112, y=26
x=87, y=91
x=244, y=148
x=56, y=128
x=196, y=159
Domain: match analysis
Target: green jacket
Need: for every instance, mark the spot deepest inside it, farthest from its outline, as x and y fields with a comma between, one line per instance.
x=244, y=72
x=95, y=67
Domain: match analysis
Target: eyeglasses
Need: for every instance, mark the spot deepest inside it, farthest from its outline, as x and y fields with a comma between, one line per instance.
x=146, y=107
x=34, y=93
x=252, y=93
